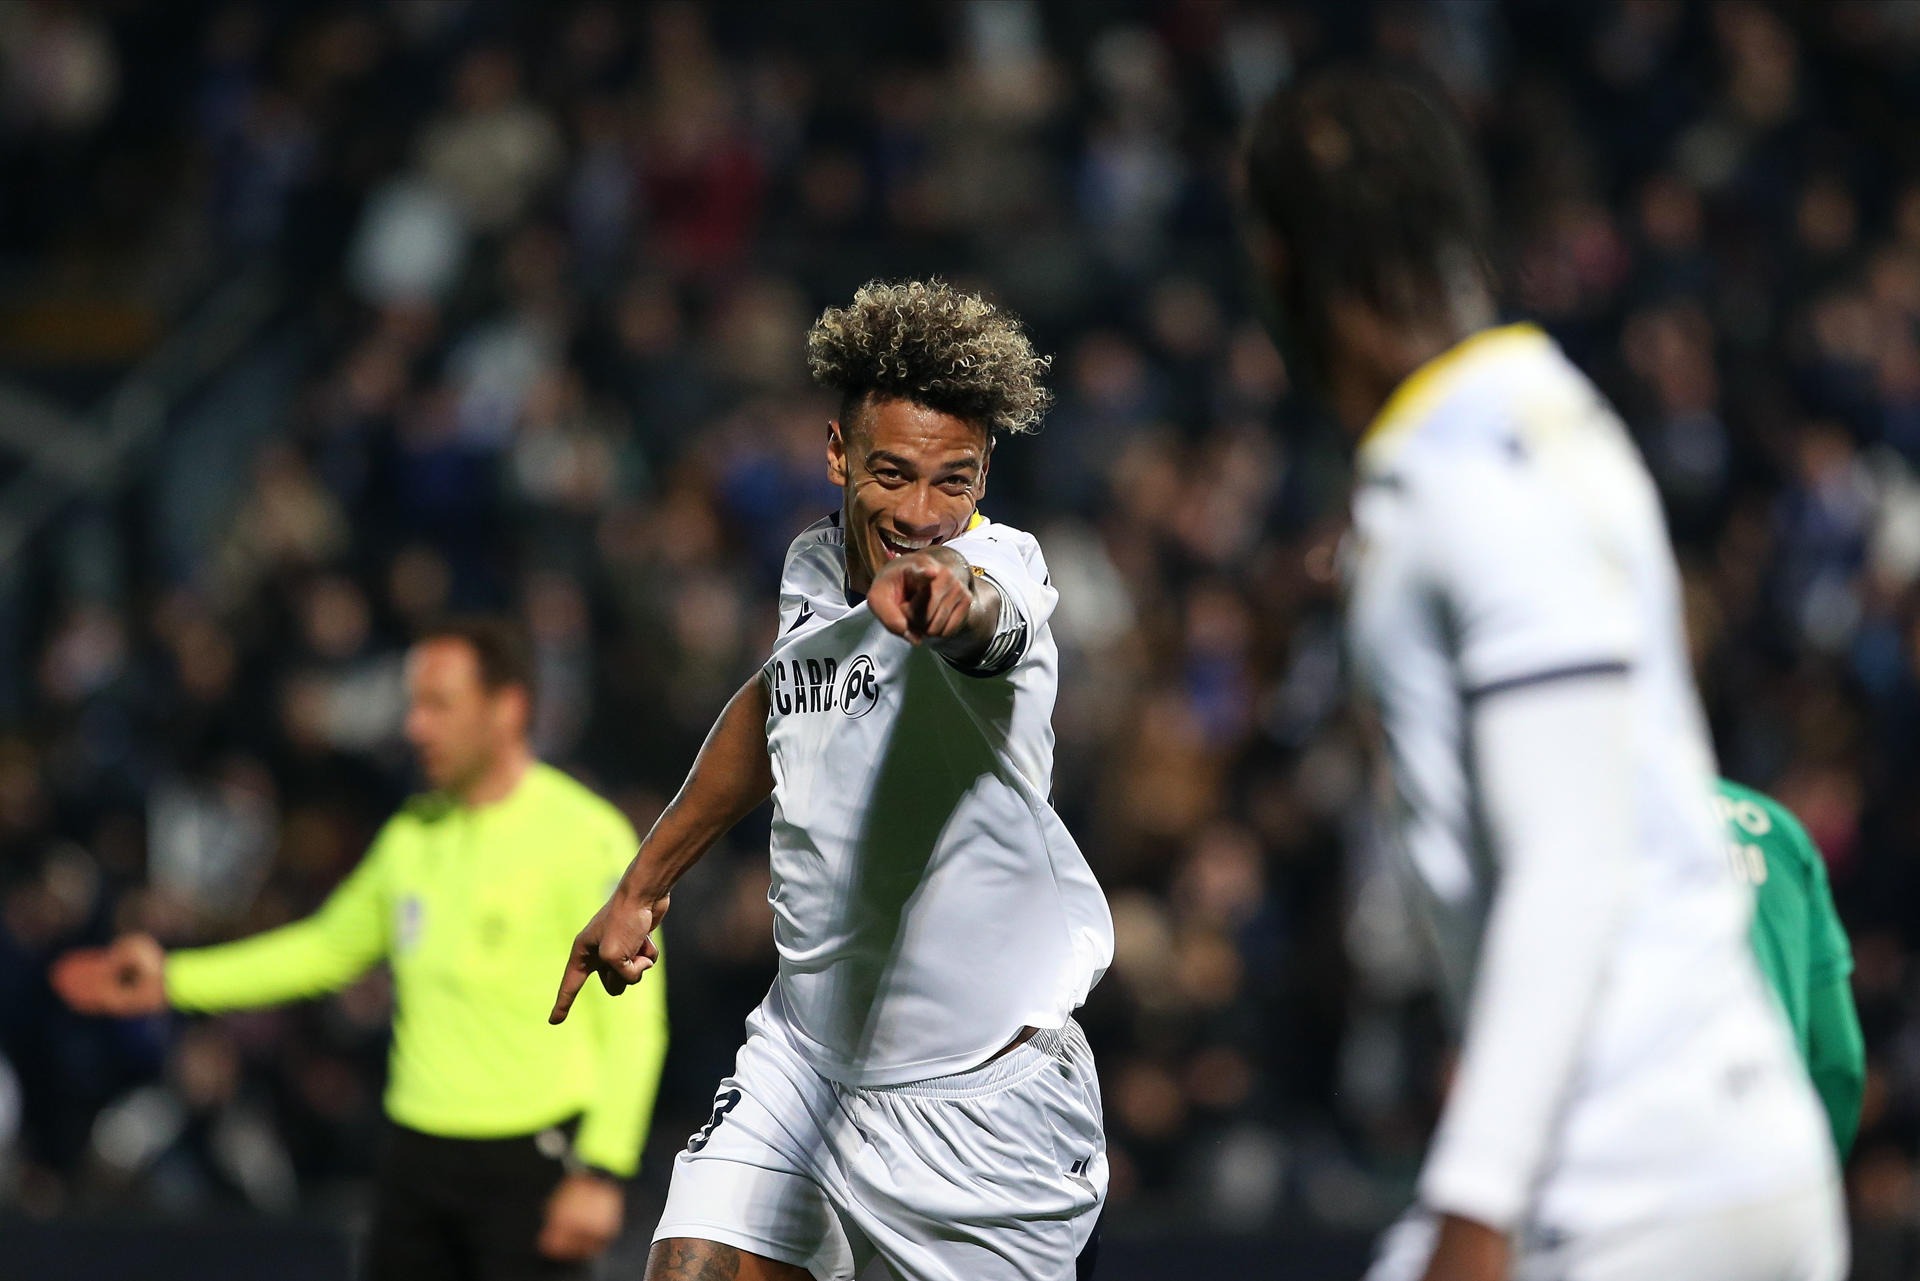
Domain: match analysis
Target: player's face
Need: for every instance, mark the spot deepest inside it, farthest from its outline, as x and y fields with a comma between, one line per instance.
x=913, y=478
x=454, y=722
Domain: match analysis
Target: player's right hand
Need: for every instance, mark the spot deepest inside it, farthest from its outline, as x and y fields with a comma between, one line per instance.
x=121, y=980
x=924, y=595
x=616, y=945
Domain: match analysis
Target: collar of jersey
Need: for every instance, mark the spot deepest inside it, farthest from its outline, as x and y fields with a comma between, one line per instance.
x=854, y=602
x=437, y=805
x=1420, y=390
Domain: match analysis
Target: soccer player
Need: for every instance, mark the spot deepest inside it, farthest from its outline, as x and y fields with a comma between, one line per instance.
x=507, y=1146
x=1803, y=952
x=1801, y=946
x=913, y=1086
x=1627, y=1102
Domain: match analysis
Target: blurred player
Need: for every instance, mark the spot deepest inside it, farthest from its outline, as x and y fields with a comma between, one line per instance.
x=1801, y=946
x=1627, y=1102
x=1803, y=952
x=507, y=1145
x=913, y=1086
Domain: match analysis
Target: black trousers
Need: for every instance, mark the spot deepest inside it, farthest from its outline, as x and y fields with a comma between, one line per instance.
x=463, y=1210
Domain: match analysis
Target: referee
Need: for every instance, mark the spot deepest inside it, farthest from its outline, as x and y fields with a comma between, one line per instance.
x=507, y=1139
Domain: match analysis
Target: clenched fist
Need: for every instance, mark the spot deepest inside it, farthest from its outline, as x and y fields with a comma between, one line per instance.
x=583, y=1217
x=925, y=595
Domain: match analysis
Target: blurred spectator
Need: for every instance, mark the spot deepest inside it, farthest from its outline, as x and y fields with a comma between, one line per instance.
x=63, y=70
x=492, y=150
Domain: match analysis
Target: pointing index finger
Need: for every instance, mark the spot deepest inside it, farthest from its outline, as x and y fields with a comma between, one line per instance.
x=888, y=601
x=922, y=601
x=570, y=984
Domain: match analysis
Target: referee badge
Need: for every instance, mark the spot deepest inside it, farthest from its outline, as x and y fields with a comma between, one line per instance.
x=409, y=918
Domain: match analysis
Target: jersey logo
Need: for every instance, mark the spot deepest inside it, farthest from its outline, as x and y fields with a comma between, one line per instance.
x=1752, y=819
x=821, y=685
x=861, y=688
x=804, y=684
x=806, y=613
x=409, y=918
x=1749, y=862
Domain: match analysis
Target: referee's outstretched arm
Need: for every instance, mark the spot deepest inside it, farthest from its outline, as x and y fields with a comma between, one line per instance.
x=319, y=954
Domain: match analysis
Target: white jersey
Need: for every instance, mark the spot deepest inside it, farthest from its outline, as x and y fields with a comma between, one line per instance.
x=928, y=903
x=1508, y=543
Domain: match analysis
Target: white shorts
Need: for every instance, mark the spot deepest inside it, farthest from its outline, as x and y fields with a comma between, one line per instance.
x=995, y=1174
x=1798, y=1237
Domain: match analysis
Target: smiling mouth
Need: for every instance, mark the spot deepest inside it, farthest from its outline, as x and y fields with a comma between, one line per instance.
x=895, y=548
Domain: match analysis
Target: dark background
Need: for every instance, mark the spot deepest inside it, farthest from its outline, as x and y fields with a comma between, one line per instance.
x=318, y=319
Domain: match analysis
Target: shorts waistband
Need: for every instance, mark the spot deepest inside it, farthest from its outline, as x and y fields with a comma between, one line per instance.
x=1047, y=1045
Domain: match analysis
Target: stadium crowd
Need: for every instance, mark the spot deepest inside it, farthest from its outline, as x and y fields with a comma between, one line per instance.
x=545, y=273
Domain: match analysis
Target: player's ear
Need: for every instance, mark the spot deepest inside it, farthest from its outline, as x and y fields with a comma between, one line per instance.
x=980, y=482
x=836, y=454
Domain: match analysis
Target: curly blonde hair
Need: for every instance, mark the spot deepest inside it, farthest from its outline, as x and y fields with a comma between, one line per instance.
x=926, y=342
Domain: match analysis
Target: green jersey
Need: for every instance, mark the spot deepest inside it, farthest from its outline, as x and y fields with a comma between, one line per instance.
x=474, y=910
x=1801, y=946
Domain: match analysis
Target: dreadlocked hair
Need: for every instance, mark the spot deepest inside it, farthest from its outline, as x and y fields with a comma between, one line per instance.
x=1373, y=193
x=926, y=342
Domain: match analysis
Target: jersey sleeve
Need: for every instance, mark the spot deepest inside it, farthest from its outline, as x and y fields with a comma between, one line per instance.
x=320, y=954
x=1012, y=561
x=1540, y=635
x=1836, y=1048
x=1837, y=1058
x=1525, y=584
x=813, y=568
x=628, y=1034
x=1829, y=951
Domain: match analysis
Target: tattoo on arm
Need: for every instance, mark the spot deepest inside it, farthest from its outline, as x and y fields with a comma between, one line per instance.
x=689, y=1259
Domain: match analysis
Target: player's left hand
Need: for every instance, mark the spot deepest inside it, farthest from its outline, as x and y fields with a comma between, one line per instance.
x=1468, y=1251
x=583, y=1217
x=924, y=595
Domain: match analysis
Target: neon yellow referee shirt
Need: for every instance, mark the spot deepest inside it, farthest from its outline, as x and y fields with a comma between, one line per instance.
x=474, y=909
